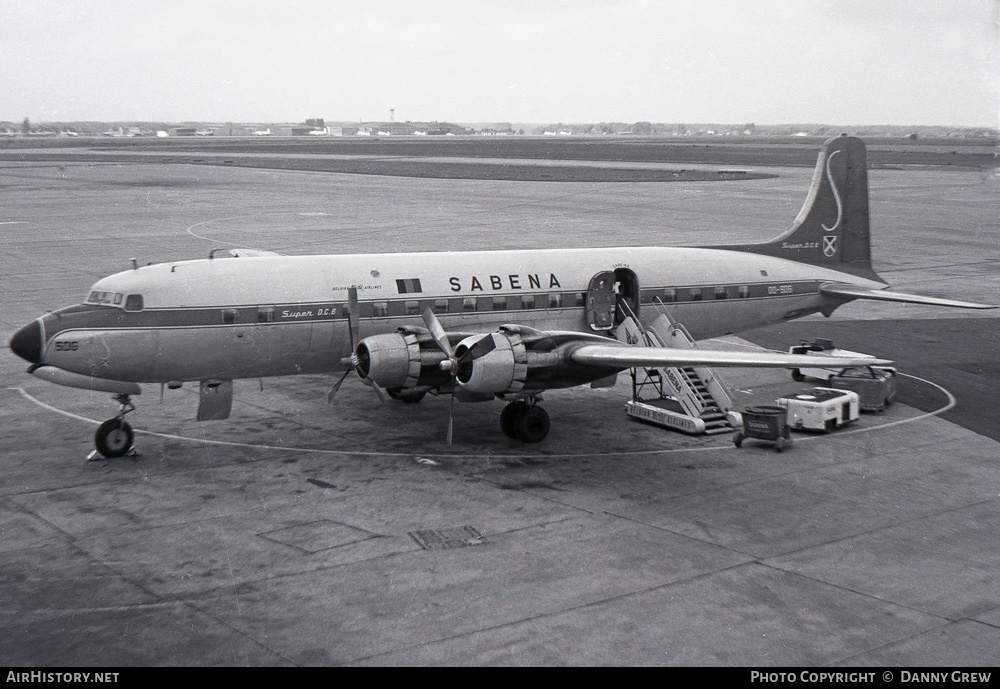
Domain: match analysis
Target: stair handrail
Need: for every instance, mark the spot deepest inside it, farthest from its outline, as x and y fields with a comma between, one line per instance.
x=646, y=335
x=717, y=388
x=661, y=308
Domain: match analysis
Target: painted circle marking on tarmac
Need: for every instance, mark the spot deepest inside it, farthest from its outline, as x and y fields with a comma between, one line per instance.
x=952, y=401
x=190, y=230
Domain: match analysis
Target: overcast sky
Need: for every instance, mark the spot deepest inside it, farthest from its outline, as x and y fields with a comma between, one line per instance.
x=905, y=62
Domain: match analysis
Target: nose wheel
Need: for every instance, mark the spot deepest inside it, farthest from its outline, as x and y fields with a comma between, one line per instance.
x=526, y=421
x=114, y=437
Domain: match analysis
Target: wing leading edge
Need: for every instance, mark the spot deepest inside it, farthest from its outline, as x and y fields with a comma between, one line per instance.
x=625, y=356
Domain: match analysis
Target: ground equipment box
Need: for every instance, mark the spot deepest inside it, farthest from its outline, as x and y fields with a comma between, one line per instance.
x=764, y=423
x=875, y=385
x=821, y=409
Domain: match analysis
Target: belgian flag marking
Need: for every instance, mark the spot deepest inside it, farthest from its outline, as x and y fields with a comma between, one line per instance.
x=409, y=286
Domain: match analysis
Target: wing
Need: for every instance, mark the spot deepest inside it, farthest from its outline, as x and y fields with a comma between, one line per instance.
x=838, y=289
x=618, y=357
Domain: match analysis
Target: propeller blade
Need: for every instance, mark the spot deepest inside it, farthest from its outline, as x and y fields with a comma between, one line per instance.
x=353, y=325
x=437, y=332
x=376, y=388
x=451, y=364
x=336, y=386
x=451, y=412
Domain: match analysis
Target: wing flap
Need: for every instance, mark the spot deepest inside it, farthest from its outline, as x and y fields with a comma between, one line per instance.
x=854, y=292
x=625, y=356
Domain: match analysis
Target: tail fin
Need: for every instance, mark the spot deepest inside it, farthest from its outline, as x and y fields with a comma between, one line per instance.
x=832, y=228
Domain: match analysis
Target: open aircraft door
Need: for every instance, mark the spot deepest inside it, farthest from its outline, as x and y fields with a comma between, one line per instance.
x=601, y=299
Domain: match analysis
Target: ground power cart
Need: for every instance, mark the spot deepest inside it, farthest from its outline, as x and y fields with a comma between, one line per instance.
x=821, y=409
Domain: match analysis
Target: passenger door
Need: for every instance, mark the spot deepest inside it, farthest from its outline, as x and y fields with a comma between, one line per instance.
x=601, y=301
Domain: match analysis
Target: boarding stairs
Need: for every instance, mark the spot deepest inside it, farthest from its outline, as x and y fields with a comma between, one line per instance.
x=696, y=389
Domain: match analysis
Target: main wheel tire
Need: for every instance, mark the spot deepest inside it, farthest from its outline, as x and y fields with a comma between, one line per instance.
x=508, y=417
x=738, y=438
x=404, y=395
x=114, y=438
x=532, y=424
x=797, y=375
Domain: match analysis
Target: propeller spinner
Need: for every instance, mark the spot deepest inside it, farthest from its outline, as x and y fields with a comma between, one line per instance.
x=352, y=363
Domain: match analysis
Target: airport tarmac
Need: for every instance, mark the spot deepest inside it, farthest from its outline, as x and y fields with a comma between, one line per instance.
x=303, y=533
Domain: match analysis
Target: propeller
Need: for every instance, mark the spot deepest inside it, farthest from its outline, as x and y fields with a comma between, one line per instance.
x=351, y=363
x=453, y=364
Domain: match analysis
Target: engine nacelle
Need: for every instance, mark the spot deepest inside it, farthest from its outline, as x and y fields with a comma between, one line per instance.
x=397, y=360
x=501, y=370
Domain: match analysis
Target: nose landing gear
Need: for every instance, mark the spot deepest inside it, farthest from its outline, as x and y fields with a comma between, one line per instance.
x=114, y=437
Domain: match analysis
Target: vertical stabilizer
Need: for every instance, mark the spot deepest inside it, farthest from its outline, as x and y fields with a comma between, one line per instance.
x=832, y=229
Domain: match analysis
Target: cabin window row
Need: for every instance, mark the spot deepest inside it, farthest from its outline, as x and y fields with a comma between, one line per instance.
x=414, y=307
x=383, y=309
x=454, y=305
x=673, y=295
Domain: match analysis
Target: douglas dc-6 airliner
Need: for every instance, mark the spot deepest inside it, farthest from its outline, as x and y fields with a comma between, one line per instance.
x=479, y=325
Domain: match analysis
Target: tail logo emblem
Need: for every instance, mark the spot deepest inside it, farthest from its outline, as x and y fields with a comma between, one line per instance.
x=836, y=197
x=829, y=246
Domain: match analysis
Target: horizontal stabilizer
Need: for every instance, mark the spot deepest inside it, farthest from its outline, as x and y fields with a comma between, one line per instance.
x=625, y=356
x=842, y=290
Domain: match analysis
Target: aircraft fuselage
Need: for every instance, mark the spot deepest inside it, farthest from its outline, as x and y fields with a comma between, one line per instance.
x=254, y=317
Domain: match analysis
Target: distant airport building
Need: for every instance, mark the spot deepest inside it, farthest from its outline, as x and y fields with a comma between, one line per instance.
x=294, y=130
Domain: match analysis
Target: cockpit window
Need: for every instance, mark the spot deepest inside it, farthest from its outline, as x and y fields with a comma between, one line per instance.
x=134, y=302
x=97, y=297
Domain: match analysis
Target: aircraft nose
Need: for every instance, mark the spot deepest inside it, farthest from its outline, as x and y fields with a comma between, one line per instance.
x=27, y=342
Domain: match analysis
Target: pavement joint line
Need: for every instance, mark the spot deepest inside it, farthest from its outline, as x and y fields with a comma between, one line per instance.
x=42, y=613
x=945, y=619
x=890, y=525
x=889, y=644
x=188, y=603
x=553, y=613
x=594, y=513
x=984, y=622
x=159, y=603
x=321, y=567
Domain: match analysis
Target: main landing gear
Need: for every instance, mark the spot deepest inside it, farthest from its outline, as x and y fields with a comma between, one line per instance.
x=408, y=396
x=114, y=437
x=525, y=420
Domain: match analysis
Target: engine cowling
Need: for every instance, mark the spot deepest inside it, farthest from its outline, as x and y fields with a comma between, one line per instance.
x=502, y=370
x=398, y=360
